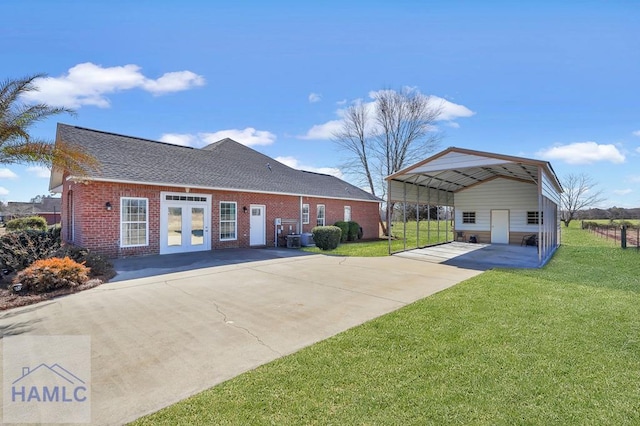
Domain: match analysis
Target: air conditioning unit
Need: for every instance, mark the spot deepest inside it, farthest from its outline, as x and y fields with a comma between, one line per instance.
x=306, y=239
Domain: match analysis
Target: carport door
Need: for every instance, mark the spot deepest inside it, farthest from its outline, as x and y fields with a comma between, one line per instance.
x=257, y=232
x=499, y=226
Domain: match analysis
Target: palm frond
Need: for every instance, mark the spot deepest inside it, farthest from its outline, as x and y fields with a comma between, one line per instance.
x=16, y=143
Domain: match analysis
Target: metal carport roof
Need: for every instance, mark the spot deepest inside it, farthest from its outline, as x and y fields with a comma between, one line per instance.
x=455, y=169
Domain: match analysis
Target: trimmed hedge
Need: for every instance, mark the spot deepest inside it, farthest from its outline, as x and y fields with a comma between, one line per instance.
x=326, y=237
x=100, y=266
x=51, y=274
x=354, y=231
x=350, y=230
x=24, y=223
x=344, y=227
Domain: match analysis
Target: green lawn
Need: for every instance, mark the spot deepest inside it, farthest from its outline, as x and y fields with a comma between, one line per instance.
x=560, y=345
x=430, y=232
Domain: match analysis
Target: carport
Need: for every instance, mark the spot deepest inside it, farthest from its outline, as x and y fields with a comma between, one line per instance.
x=486, y=197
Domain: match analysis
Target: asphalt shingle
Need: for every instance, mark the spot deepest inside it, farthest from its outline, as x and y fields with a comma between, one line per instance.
x=225, y=164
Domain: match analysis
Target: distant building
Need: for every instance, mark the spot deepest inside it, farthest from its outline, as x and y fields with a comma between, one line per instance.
x=46, y=207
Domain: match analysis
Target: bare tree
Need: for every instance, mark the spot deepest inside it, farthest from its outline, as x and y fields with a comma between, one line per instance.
x=580, y=192
x=388, y=134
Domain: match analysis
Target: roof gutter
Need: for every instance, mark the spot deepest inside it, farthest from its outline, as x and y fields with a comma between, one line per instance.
x=213, y=188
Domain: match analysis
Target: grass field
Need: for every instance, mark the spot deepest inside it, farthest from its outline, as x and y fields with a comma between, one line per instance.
x=430, y=232
x=559, y=345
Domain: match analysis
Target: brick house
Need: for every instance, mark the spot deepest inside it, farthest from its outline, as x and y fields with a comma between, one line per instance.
x=46, y=207
x=150, y=197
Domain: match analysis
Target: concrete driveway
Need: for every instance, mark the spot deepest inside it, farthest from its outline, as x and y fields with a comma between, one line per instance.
x=160, y=339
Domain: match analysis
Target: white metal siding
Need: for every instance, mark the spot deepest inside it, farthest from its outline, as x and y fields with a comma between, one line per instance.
x=456, y=160
x=548, y=188
x=517, y=197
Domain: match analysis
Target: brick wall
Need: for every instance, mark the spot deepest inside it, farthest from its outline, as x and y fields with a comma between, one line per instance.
x=98, y=229
x=366, y=214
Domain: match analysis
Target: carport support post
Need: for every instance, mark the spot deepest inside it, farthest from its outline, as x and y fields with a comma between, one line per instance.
x=540, y=210
x=417, y=215
x=389, y=214
x=438, y=212
x=404, y=213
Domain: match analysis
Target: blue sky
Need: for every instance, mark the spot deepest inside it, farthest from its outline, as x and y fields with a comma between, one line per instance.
x=550, y=80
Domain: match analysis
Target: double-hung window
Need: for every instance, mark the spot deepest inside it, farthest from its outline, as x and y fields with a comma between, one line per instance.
x=347, y=213
x=321, y=217
x=228, y=221
x=305, y=214
x=134, y=222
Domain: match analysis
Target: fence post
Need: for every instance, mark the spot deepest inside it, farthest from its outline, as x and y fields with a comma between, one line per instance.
x=623, y=236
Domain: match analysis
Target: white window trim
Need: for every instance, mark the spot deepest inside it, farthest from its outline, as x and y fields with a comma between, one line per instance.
x=235, y=221
x=305, y=221
x=146, y=219
x=324, y=216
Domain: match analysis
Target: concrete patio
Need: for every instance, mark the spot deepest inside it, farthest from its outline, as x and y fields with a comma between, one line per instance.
x=476, y=256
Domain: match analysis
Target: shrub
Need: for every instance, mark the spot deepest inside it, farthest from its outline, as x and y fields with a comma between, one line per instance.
x=21, y=248
x=354, y=231
x=326, y=237
x=50, y=274
x=100, y=266
x=344, y=227
x=24, y=223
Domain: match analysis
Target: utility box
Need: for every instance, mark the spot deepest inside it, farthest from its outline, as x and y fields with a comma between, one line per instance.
x=293, y=241
x=306, y=239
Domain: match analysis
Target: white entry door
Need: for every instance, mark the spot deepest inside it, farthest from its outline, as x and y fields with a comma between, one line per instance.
x=257, y=225
x=184, y=223
x=499, y=226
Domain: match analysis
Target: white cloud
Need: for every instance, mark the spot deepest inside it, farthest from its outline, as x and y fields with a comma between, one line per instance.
x=248, y=137
x=622, y=191
x=88, y=84
x=449, y=112
x=583, y=153
x=4, y=191
x=323, y=131
x=39, y=171
x=341, y=102
x=315, y=97
x=182, y=139
x=638, y=150
x=636, y=133
x=295, y=163
x=634, y=179
x=7, y=174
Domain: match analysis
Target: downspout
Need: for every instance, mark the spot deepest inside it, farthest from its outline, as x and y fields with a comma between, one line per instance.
x=301, y=230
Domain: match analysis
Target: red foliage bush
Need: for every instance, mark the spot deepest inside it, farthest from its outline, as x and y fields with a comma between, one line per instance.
x=50, y=274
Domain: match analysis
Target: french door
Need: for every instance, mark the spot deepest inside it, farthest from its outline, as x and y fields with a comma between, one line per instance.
x=184, y=223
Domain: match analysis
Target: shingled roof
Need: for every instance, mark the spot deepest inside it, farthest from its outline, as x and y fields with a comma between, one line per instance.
x=223, y=165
